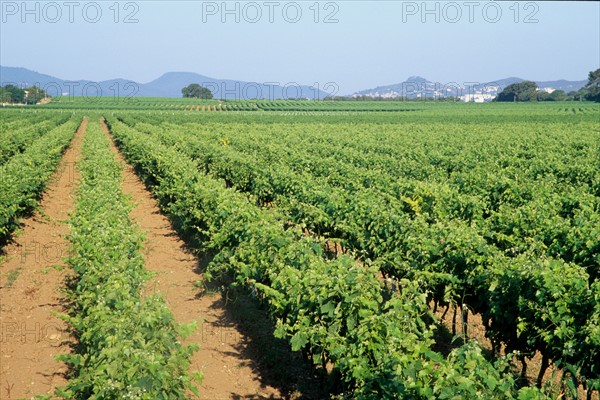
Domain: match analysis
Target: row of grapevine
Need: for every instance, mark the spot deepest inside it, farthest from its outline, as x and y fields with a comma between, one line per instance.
x=14, y=141
x=325, y=105
x=335, y=310
x=127, y=347
x=135, y=103
x=17, y=119
x=24, y=176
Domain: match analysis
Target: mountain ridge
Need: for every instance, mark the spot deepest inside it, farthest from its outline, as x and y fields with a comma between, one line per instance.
x=169, y=84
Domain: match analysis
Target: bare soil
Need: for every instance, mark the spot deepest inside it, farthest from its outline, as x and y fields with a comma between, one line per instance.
x=32, y=274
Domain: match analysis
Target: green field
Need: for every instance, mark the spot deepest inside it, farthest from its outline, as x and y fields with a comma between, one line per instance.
x=350, y=223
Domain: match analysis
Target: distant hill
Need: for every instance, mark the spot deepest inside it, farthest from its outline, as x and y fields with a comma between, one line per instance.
x=22, y=76
x=416, y=86
x=168, y=85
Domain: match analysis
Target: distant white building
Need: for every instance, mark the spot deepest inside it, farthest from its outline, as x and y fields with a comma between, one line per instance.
x=546, y=89
x=477, y=98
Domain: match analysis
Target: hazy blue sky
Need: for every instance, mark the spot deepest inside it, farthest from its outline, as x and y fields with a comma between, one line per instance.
x=372, y=43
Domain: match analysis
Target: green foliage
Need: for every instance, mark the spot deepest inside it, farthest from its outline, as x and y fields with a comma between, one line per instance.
x=557, y=95
x=11, y=94
x=194, y=90
x=34, y=94
x=522, y=91
x=592, y=88
x=16, y=140
x=468, y=209
x=23, y=175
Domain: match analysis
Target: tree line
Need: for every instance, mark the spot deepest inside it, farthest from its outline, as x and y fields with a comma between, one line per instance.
x=529, y=91
x=15, y=95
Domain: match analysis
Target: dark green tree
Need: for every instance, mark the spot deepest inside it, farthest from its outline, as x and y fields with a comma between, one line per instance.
x=34, y=94
x=196, y=91
x=576, y=95
x=522, y=91
x=12, y=94
x=593, y=86
x=557, y=95
x=542, y=96
x=4, y=96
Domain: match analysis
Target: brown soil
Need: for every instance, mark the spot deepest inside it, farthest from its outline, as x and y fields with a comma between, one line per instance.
x=32, y=274
x=228, y=345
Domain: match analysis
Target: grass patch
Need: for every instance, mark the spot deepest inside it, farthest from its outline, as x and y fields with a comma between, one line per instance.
x=12, y=277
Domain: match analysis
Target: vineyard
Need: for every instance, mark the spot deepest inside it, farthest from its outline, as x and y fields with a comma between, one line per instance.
x=355, y=228
x=194, y=105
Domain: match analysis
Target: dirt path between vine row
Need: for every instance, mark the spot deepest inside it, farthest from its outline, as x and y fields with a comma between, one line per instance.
x=229, y=371
x=32, y=273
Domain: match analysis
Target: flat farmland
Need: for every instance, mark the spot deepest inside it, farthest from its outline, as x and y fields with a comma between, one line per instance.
x=300, y=249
